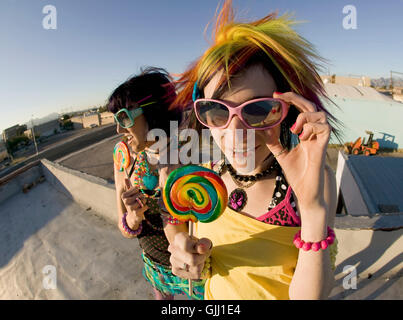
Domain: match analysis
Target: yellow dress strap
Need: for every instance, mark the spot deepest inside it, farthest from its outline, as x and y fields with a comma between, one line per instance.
x=333, y=253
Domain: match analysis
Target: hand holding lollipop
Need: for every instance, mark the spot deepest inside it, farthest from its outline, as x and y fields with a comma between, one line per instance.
x=121, y=156
x=193, y=193
x=131, y=197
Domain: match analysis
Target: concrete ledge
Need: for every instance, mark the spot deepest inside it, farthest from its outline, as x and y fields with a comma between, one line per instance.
x=383, y=222
x=14, y=183
x=347, y=185
x=87, y=190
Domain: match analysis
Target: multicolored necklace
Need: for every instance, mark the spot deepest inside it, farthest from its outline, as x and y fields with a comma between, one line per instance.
x=146, y=182
x=143, y=178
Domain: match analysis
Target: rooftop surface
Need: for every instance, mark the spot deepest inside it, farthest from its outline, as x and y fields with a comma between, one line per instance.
x=356, y=92
x=92, y=259
x=380, y=180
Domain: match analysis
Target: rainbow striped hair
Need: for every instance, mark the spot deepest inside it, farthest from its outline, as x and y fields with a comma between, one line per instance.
x=270, y=42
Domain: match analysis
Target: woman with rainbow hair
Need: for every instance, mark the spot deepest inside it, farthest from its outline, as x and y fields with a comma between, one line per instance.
x=275, y=238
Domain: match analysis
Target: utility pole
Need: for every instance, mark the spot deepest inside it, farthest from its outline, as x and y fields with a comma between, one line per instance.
x=33, y=135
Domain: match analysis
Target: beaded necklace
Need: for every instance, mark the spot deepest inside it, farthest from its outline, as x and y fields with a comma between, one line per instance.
x=238, y=197
x=146, y=181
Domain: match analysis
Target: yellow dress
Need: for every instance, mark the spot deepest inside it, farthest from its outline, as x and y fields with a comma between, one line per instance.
x=250, y=260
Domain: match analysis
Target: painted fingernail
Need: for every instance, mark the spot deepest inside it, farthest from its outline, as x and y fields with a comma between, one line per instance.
x=301, y=134
x=139, y=202
x=277, y=92
x=293, y=126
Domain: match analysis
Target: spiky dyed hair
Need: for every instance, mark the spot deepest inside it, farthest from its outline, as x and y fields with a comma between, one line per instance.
x=271, y=42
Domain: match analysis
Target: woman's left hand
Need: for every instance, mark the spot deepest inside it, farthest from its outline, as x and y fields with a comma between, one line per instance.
x=305, y=164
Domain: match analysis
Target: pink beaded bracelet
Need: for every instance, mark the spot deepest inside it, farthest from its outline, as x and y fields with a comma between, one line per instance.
x=315, y=246
x=127, y=228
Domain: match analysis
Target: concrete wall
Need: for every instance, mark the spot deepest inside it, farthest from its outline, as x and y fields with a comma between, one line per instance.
x=351, y=81
x=362, y=81
x=3, y=151
x=3, y=155
x=398, y=97
x=77, y=122
x=346, y=184
x=88, y=191
x=10, y=132
x=47, y=128
x=93, y=119
x=106, y=118
x=15, y=182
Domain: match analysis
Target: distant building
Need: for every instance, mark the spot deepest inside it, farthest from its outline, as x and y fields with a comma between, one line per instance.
x=77, y=122
x=398, y=90
x=398, y=96
x=91, y=119
x=3, y=151
x=106, y=118
x=45, y=129
x=12, y=132
x=352, y=81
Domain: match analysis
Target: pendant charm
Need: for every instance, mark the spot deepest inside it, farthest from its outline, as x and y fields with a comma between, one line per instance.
x=237, y=199
x=150, y=181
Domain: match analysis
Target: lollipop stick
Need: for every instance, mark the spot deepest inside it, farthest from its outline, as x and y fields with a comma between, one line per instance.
x=127, y=177
x=191, y=236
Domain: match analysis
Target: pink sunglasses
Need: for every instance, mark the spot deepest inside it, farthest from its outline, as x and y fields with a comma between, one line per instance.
x=258, y=114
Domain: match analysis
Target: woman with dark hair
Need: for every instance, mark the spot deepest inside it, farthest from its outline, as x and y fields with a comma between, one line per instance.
x=274, y=240
x=139, y=105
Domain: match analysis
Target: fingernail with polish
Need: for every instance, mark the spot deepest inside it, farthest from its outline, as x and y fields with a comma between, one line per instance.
x=139, y=202
x=277, y=92
x=293, y=126
x=301, y=134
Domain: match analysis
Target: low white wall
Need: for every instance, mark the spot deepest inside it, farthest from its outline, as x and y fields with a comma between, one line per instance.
x=16, y=184
x=87, y=190
x=346, y=184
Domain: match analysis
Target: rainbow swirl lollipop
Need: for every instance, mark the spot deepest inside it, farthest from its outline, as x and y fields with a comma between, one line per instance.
x=194, y=193
x=121, y=155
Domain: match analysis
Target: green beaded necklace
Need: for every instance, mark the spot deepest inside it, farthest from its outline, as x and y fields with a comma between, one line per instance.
x=144, y=178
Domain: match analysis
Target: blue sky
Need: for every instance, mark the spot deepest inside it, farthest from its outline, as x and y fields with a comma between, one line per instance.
x=100, y=43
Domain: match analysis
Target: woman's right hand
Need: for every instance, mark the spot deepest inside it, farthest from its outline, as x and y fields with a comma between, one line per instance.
x=135, y=204
x=188, y=255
